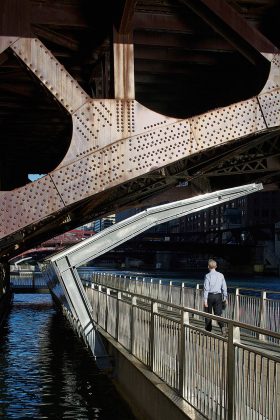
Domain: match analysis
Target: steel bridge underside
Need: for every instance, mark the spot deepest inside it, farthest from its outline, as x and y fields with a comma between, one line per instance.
x=122, y=154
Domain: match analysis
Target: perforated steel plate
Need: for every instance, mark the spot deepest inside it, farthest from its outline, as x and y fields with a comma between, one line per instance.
x=118, y=140
x=27, y=205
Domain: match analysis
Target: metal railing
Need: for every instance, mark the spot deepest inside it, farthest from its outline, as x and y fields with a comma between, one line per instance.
x=251, y=306
x=223, y=378
x=28, y=280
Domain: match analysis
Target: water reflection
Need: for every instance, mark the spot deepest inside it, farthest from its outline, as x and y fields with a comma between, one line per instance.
x=46, y=372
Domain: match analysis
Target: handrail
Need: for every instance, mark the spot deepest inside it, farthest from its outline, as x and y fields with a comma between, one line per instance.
x=258, y=311
x=28, y=280
x=197, y=312
x=208, y=370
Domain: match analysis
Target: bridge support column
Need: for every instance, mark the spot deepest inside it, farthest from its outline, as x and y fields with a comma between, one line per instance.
x=124, y=86
x=4, y=277
x=5, y=291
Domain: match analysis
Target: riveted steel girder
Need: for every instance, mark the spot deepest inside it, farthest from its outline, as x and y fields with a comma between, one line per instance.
x=116, y=141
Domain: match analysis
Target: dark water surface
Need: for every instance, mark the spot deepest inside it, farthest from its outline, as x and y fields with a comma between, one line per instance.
x=46, y=372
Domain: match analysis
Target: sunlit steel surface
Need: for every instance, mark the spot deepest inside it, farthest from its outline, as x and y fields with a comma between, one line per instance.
x=120, y=232
x=115, y=141
x=63, y=266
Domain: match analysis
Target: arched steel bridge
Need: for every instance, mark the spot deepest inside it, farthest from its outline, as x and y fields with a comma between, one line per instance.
x=121, y=153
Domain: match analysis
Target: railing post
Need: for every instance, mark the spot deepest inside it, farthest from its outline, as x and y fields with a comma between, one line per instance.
x=92, y=286
x=106, y=309
x=185, y=320
x=263, y=337
x=236, y=312
x=132, y=326
x=196, y=300
x=119, y=296
x=125, y=288
x=170, y=291
x=98, y=303
x=151, y=288
x=130, y=288
x=154, y=310
x=33, y=280
x=142, y=286
x=233, y=337
x=183, y=294
x=159, y=296
x=136, y=282
x=121, y=282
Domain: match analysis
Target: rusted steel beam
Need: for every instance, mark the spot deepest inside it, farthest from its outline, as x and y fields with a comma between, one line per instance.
x=158, y=22
x=126, y=17
x=15, y=18
x=114, y=143
x=174, y=56
x=233, y=27
x=185, y=41
x=56, y=38
x=57, y=14
x=123, y=54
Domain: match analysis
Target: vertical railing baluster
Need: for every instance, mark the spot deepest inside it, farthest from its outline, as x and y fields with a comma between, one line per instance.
x=154, y=311
x=196, y=300
x=142, y=285
x=159, y=297
x=107, y=309
x=182, y=300
x=263, y=315
x=236, y=312
x=233, y=337
x=170, y=292
x=98, y=302
x=185, y=321
x=119, y=296
x=151, y=288
x=132, y=324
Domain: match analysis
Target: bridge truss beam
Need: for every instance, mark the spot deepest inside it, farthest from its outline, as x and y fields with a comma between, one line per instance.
x=118, y=143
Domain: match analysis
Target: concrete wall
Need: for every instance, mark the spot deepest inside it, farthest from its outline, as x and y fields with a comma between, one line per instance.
x=148, y=396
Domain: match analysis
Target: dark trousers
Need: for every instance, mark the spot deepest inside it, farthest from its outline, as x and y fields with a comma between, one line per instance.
x=214, y=304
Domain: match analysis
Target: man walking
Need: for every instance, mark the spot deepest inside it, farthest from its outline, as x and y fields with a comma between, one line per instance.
x=215, y=292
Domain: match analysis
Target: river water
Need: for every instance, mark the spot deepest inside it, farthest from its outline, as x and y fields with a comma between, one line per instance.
x=45, y=370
